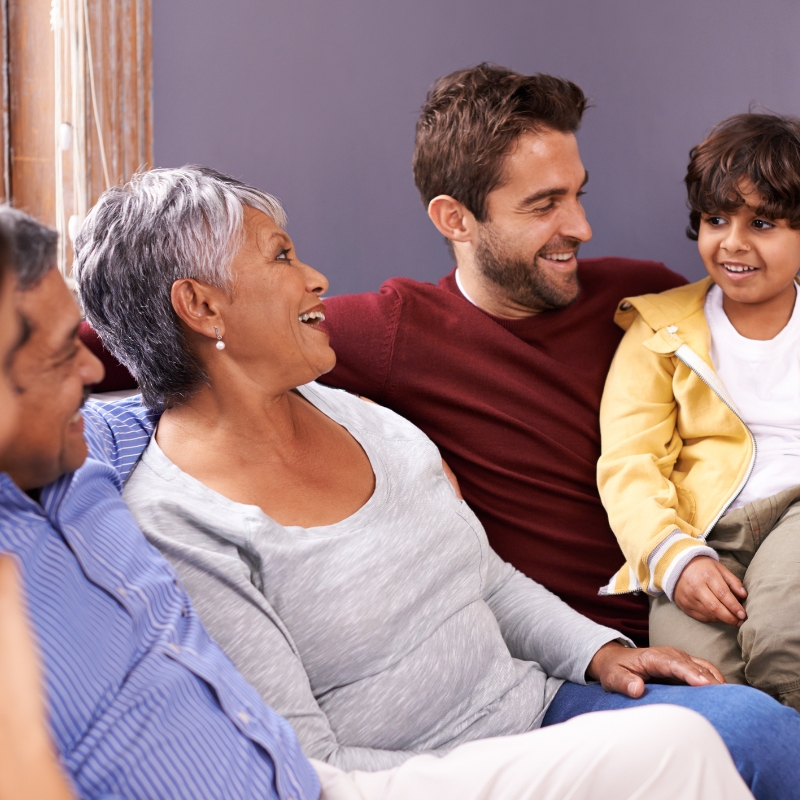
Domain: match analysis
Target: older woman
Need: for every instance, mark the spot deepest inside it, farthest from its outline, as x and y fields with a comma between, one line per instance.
x=318, y=534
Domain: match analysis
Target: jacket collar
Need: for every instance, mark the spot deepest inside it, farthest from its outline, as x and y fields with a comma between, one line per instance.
x=676, y=316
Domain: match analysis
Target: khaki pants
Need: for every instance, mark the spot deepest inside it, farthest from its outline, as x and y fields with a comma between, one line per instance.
x=655, y=752
x=760, y=544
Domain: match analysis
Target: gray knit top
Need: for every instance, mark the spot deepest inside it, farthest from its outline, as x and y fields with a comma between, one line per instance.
x=395, y=631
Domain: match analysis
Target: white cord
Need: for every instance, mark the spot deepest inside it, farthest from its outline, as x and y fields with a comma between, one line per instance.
x=69, y=20
x=57, y=24
x=94, y=94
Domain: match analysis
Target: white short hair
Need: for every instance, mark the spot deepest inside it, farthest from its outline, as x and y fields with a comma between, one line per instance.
x=163, y=225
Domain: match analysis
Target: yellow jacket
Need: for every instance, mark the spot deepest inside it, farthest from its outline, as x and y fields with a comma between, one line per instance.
x=675, y=452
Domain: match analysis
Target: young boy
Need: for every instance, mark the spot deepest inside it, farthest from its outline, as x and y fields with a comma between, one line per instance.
x=700, y=420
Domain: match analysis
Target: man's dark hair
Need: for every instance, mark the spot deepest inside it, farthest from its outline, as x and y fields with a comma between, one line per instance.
x=762, y=150
x=471, y=120
x=32, y=246
x=6, y=265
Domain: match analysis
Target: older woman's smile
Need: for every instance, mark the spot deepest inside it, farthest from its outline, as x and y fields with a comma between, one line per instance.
x=313, y=316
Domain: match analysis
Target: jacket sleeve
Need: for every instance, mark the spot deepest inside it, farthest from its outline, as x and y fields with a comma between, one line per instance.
x=640, y=445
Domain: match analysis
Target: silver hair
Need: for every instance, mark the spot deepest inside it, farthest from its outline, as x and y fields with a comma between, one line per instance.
x=164, y=225
x=33, y=246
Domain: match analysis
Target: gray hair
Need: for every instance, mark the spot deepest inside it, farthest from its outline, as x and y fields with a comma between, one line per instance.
x=164, y=225
x=33, y=246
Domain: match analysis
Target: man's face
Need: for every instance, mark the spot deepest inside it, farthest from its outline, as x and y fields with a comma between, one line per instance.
x=529, y=243
x=52, y=370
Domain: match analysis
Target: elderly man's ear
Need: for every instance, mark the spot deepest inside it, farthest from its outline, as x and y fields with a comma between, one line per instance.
x=197, y=306
x=452, y=219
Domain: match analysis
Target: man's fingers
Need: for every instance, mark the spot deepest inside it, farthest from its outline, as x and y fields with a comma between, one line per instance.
x=668, y=662
x=622, y=680
x=701, y=662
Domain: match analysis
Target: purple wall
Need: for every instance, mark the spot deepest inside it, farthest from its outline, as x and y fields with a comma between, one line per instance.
x=315, y=101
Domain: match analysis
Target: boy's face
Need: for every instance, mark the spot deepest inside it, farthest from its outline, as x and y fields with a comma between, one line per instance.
x=751, y=258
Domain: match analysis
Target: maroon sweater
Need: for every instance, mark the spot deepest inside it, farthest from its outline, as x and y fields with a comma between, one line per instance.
x=513, y=406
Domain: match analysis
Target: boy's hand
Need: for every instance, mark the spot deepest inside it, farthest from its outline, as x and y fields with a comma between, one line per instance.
x=708, y=592
x=626, y=669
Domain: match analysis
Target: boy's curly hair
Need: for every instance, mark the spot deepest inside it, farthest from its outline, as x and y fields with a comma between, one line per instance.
x=762, y=150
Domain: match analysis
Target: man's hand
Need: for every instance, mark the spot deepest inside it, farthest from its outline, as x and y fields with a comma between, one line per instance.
x=708, y=592
x=625, y=669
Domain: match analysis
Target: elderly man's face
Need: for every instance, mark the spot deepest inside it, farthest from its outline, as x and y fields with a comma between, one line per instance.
x=9, y=336
x=52, y=370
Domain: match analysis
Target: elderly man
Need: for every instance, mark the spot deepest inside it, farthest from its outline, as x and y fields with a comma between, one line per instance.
x=503, y=363
x=142, y=703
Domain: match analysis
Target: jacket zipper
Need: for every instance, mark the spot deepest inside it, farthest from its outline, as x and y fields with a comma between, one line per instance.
x=736, y=414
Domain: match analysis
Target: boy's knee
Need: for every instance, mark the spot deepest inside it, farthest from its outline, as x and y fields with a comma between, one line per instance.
x=771, y=655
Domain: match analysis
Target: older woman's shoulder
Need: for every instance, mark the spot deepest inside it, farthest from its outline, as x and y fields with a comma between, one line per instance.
x=354, y=411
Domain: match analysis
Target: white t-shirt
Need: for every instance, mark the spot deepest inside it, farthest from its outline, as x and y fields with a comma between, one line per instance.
x=763, y=378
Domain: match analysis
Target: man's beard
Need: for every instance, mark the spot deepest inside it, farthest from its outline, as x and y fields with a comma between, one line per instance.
x=524, y=282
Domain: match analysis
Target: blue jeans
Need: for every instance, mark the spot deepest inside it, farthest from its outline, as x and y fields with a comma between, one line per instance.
x=763, y=736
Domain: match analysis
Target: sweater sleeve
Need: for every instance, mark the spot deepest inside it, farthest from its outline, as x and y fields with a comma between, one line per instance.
x=640, y=445
x=538, y=626
x=362, y=330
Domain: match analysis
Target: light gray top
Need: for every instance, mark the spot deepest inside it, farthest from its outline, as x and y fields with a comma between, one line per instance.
x=395, y=631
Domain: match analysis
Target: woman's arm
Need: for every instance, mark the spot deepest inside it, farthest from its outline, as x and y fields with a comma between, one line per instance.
x=538, y=626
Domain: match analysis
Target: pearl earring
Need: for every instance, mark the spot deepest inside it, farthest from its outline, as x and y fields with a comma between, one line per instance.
x=220, y=344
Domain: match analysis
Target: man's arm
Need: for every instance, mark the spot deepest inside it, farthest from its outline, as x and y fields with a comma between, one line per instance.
x=118, y=432
x=362, y=329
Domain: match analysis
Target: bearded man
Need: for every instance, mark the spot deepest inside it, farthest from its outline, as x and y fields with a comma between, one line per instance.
x=503, y=363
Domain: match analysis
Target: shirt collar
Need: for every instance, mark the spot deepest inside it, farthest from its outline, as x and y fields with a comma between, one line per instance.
x=14, y=499
x=463, y=290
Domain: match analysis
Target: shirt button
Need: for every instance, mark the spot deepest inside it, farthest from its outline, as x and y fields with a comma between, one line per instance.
x=183, y=612
x=177, y=583
x=174, y=647
x=121, y=591
x=244, y=717
x=625, y=306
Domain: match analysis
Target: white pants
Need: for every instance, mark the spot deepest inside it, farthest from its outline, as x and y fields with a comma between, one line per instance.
x=655, y=752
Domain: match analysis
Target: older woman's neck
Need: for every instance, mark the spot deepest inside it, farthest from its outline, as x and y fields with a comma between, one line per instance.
x=239, y=411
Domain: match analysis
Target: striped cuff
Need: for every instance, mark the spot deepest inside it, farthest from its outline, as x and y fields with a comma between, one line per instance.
x=677, y=566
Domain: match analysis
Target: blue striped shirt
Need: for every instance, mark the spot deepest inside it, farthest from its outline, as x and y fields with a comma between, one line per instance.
x=143, y=704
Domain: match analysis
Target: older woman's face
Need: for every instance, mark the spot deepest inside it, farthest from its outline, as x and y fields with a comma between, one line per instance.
x=272, y=325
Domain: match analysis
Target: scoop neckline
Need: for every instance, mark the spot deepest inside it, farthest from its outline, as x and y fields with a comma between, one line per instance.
x=155, y=458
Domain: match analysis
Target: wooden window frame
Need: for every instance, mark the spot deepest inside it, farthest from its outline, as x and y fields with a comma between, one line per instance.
x=121, y=45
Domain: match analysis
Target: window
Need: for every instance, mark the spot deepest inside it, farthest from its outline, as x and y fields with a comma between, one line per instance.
x=77, y=103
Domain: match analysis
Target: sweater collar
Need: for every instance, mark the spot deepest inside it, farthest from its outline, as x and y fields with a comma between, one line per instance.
x=452, y=285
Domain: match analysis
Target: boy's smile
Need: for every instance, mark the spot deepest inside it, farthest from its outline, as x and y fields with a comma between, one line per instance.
x=754, y=260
